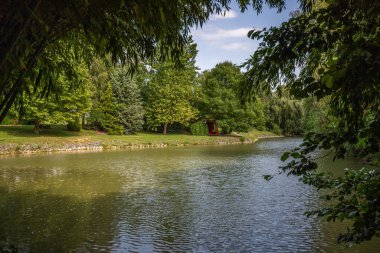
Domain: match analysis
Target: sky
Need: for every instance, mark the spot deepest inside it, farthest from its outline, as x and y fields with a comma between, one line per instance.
x=225, y=37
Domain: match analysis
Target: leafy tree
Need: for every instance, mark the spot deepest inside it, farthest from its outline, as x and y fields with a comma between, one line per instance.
x=104, y=114
x=117, y=108
x=336, y=47
x=316, y=117
x=108, y=112
x=72, y=103
x=41, y=111
x=128, y=102
x=40, y=39
x=221, y=101
x=199, y=128
x=171, y=92
x=76, y=102
x=283, y=114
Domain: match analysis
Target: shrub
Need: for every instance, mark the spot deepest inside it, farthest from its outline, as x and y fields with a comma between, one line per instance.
x=74, y=126
x=199, y=128
x=276, y=129
x=114, y=129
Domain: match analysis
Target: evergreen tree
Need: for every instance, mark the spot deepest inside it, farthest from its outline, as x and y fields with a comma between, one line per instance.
x=127, y=97
x=40, y=38
x=104, y=115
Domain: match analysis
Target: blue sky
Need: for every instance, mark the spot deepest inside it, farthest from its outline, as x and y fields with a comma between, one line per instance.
x=225, y=37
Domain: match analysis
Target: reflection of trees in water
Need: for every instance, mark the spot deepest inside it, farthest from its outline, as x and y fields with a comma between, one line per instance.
x=189, y=199
x=84, y=184
x=14, y=178
x=41, y=222
x=54, y=210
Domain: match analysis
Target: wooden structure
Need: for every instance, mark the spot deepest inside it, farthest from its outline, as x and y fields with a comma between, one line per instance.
x=212, y=127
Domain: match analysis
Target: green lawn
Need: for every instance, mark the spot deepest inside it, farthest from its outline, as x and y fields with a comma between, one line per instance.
x=19, y=139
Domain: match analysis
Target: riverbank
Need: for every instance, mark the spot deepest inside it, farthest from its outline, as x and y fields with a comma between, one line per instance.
x=22, y=140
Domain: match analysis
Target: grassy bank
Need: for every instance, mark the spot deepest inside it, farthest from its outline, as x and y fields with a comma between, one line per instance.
x=22, y=139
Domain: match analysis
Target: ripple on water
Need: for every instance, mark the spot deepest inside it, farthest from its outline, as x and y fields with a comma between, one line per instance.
x=191, y=199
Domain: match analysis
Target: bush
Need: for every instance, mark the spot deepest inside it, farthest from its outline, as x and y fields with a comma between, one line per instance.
x=9, y=120
x=74, y=126
x=199, y=128
x=226, y=130
x=276, y=129
x=114, y=129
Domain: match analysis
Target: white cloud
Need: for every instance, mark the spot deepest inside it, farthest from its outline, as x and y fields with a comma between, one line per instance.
x=237, y=46
x=215, y=34
x=225, y=40
x=224, y=15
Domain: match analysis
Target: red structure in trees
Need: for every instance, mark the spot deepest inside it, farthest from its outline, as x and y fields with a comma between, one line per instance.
x=212, y=127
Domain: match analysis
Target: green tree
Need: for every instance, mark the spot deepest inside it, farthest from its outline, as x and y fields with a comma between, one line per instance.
x=72, y=103
x=104, y=113
x=171, y=91
x=336, y=47
x=128, y=102
x=283, y=114
x=221, y=101
x=316, y=117
x=42, y=38
x=117, y=108
x=41, y=111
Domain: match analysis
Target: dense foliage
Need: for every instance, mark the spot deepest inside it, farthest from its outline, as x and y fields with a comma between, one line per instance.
x=221, y=101
x=284, y=115
x=159, y=97
x=70, y=105
x=40, y=39
x=199, y=128
x=54, y=69
x=117, y=107
x=316, y=117
x=171, y=92
x=335, y=45
x=128, y=102
x=103, y=114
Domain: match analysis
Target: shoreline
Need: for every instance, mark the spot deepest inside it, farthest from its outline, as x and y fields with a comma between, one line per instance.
x=14, y=149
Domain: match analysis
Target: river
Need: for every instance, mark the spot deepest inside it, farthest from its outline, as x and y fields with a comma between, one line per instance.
x=182, y=199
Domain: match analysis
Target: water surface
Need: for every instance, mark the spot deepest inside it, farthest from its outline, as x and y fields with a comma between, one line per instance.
x=189, y=199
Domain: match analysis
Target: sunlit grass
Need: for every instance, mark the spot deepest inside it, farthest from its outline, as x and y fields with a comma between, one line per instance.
x=18, y=138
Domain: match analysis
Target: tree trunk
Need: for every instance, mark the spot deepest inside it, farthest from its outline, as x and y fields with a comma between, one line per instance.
x=37, y=126
x=165, y=128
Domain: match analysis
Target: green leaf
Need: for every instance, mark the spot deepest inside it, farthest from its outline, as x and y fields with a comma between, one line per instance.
x=267, y=177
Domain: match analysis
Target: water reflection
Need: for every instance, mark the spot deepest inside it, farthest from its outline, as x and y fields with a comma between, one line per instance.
x=197, y=199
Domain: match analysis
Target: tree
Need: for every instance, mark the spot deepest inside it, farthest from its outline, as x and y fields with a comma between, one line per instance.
x=283, y=113
x=40, y=38
x=41, y=111
x=171, y=92
x=73, y=103
x=117, y=108
x=221, y=101
x=104, y=113
x=128, y=102
x=316, y=117
x=336, y=47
